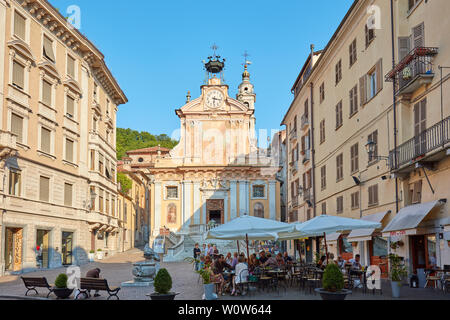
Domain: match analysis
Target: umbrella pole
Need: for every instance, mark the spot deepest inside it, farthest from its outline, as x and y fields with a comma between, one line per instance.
x=246, y=241
x=299, y=250
x=239, y=251
x=326, y=249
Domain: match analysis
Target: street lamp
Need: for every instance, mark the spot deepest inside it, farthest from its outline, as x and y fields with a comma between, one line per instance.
x=370, y=147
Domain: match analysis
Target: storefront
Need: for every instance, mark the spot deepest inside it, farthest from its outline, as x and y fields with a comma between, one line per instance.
x=42, y=248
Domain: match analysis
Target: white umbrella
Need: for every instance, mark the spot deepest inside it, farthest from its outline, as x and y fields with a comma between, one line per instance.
x=250, y=228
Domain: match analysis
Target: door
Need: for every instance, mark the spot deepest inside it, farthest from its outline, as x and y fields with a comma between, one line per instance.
x=418, y=252
x=378, y=250
x=420, y=123
x=215, y=210
x=309, y=251
x=42, y=241
x=13, y=249
x=345, y=248
x=67, y=247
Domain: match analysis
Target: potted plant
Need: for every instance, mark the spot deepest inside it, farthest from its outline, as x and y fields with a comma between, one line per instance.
x=163, y=284
x=397, y=273
x=91, y=255
x=207, y=285
x=99, y=254
x=332, y=284
x=60, y=289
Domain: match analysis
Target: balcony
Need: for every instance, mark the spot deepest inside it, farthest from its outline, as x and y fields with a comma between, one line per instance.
x=304, y=121
x=295, y=201
x=293, y=134
x=417, y=148
x=307, y=195
x=414, y=71
x=294, y=166
x=306, y=156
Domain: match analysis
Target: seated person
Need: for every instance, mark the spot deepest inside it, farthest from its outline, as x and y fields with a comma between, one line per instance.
x=341, y=262
x=287, y=258
x=280, y=260
x=208, y=262
x=229, y=259
x=217, y=268
x=356, y=267
x=262, y=257
x=241, y=274
x=234, y=262
x=322, y=262
x=271, y=262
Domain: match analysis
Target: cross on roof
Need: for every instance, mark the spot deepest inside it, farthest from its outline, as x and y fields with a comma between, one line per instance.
x=214, y=47
x=246, y=55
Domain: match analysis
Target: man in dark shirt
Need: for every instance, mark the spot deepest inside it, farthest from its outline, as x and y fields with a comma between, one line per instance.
x=93, y=273
x=262, y=257
x=197, y=253
x=287, y=258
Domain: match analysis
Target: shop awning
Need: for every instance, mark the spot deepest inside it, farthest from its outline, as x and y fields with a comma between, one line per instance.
x=333, y=236
x=408, y=219
x=366, y=234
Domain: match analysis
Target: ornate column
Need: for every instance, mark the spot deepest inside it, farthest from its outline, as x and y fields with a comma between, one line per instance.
x=197, y=203
x=273, y=199
x=243, y=197
x=186, y=208
x=233, y=198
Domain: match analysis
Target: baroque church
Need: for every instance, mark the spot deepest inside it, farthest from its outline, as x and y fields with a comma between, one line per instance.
x=216, y=173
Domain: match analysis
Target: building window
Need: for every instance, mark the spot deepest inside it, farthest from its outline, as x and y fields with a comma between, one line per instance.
x=46, y=140
x=17, y=126
x=355, y=200
x=352, y=53
x=370, y=35
x=44, y=188
x=324, y=208
x=323, y=177
x=322, y=131
x=354, y=100
x=339, y=120
x=14, y=182
x=172, y=192
x=418, y=35
x=68, y=189
x=69, y=150
x=354, y=158
x=416, y=192
x=107, y=168
x=71, y=66
x=101, y=168
x=18, y=77
x=171, y=213
x=48, y=49
x=412, y=4
x=100, y=200
x=373, y=195
x=339, y=167
x=339, y=204
x=113, y=206
x=70, y=108
x=92, y=166
x=107, y=203
x=338, y=71
x=258, y=210
x=95, y=92
x=47, y=93
x=293, y=216
x=322, y=92
x=19, y=25
x=374, y=155
x=93, y=199
x=371, y=83
x=258, y=191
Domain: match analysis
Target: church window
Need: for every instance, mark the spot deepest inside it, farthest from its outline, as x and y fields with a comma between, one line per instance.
x=141, y=159
x=172, y=192
x=258, y=210
x=172, y=213
x=258, y=192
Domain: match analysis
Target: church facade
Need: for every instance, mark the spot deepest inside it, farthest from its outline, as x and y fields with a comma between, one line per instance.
x=216, y=172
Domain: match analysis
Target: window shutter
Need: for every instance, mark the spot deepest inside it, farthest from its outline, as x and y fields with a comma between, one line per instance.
x=19, y=25
x=48, y=49
x=46, y=93
x=71, y=66
x=44, y=185
x=404, y=47
x=18, y=75
x=419, y=35
x=17, y=126
x=70, y=106
x=379, y=71
x=45, y=139
x=67, y=194
x=362, y=89
x=411, y=4
x=69, y=150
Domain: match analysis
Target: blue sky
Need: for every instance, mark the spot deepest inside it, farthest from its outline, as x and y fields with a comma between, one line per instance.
x=155, y=48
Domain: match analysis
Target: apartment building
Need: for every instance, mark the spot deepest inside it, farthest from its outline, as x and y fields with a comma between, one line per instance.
x=359, y=167
x=58, y=109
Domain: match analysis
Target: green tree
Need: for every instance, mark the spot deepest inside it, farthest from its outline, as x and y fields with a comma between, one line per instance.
x=125, y=182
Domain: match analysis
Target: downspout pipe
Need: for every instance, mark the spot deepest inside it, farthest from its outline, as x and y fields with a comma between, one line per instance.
x=311, y=135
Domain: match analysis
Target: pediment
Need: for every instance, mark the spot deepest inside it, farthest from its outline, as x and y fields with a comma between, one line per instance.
x=22, y=48
x=231, y=105
x=72, y=85
x=49, y=68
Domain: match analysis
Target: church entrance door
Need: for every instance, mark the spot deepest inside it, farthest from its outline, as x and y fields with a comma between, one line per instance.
x=215, y=211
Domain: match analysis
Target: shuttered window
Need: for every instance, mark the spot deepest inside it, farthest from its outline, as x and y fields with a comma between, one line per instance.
x=322, y=131
x=100, y=201
x=323, y=177
x=93, y=199
x=379, y=71
x=71, y=66
x=48, y=49
x=339, y=204
x=44, y=188
x=92, y=167
x=45, y=140
x=46, y=93
x=69, y=150
x=373, y=137
x=373, y=195
x=418, y=35
x=113, y=206
x=107, y=203
x=324, y=208
x=17, y=126
x=363, y=90
x=352, y=52
x=68, y=194
x=14, y=182
x=416, y=190
x=19, y=25
x=322, y=92
x=355, y=200
x=18, y=78
x=339, y=115
x=70, y=107
x=338, y=71
x=339, y=167
x=370, y=35
x=420, y=125
x=354, y=158
x=371, y=83
x=404, y=47
x=353, y=100
x=100, y=163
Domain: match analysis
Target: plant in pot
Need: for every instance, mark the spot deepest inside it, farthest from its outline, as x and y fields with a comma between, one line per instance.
x=163, y=284
x=91, y=255
x=397, y=273
x=205, y=274
x=99, y=254
x=60, y=289
x=332, y=284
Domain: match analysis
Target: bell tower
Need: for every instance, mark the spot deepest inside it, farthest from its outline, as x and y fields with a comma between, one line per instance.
x=246, y=93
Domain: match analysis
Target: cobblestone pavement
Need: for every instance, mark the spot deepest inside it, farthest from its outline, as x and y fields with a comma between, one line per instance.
x=117, y=269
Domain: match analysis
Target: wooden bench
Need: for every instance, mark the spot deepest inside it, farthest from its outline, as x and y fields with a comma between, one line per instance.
x=87, y=284
x=31, y=283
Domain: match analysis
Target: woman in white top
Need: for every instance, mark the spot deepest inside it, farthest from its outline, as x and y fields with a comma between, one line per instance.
x=241, y=273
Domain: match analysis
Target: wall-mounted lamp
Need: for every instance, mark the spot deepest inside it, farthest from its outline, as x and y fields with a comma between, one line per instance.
x=357, y=181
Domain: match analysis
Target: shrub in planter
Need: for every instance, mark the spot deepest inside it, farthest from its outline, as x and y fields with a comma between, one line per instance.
x=332, y=280
x=397, y=273
x=61, y=281
x=207, y=285
x=61, y=290
x=163, y=284
x=206, y=275
x=92, y=251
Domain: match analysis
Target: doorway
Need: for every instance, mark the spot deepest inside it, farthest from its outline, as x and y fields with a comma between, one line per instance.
x=418, y=252
x=13, y=249
x=378, y=251
x=215, y=211
x=42, y=242
x=67, y=247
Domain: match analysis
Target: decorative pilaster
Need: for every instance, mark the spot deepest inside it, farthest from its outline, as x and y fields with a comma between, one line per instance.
x=157, y=210
x=197, y=203
x=273, y=199
x=233, y=198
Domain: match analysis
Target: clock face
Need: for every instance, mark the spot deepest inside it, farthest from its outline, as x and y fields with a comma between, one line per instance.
x=214, y=99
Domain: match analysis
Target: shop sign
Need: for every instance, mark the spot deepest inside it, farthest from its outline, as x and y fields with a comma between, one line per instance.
x=398, y=233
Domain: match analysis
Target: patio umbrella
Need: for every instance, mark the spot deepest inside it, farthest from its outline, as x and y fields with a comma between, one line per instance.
x=250, y=228
x=325, y=224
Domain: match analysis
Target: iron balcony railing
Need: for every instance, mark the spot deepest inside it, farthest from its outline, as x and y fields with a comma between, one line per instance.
x=415, y=64
x=307, y=194
x=293, y=134
x=415, y=148
x=304, y=121
x=295, y=201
